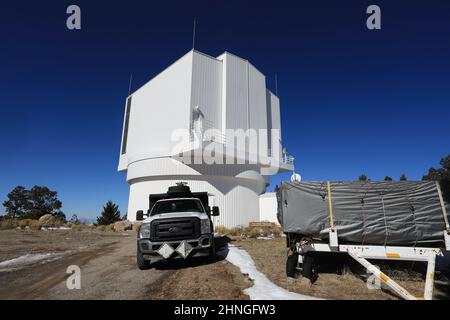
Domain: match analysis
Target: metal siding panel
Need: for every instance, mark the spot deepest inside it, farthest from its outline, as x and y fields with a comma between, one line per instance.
x=207, y=89
x=160, y=107
x=257, y=103
x=275, y=104
x=238, y=206
x=269, y=119
x=268, y=207
x=237, y=93
x=276, y=123
x=257, y=99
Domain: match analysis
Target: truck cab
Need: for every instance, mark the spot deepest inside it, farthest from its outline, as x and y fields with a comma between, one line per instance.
x=178, y=224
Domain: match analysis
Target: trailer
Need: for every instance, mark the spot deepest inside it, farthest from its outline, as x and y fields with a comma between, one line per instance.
x=306, y=236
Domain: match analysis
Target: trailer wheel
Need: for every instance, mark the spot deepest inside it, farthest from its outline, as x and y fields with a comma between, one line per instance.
x=291, y=265
x=308, y=270
x=142, y=263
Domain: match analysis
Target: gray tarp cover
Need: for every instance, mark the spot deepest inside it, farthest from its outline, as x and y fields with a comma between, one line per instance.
x=393, y=213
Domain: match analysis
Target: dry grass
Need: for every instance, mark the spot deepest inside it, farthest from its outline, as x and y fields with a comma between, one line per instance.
x=30, y=224
x=8, y=224
x=136, y=225
x=33, y=224
x=250, y=232
x=105, y=228
x=270, y=258
x=79, y=226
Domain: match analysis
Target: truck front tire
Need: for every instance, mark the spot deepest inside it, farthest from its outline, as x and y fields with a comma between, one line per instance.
x=142, y=263
x=212, y=251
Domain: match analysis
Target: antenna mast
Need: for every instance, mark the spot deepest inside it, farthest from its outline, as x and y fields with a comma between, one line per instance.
x=276, y=85
x=129, y=85
x=193, y=36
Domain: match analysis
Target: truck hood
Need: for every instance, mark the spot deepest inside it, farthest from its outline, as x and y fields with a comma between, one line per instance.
x=176, y=215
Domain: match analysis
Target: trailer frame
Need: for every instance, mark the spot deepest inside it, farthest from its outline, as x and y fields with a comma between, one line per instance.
x=361, y=253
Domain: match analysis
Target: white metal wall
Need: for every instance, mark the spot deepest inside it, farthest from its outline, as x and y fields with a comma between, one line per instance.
x=236, y=92
x=274, y=109
x=157, y=109
x=238, y=206
x=257, y=102
x=268, y=207
x=170, y=166
x=207, y=88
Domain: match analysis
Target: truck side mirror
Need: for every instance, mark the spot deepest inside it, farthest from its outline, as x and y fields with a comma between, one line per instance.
x=215, y=211
x=139, y=215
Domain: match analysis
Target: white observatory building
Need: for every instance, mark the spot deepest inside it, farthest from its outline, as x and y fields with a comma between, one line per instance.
x=191, y=123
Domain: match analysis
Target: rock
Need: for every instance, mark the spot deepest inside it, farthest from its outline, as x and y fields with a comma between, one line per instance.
x=48, y=220
x=121, y=226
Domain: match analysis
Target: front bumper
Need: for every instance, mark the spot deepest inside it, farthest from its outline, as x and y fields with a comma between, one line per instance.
x=176, y=248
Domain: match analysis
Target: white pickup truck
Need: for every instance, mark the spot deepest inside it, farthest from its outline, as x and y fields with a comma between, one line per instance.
x=178, y=224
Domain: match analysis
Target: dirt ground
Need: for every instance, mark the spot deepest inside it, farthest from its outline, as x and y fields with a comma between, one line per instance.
x=107, y=261
x=108, y=269
x=270, y=257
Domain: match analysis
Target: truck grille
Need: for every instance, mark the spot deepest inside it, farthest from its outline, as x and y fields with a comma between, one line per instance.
x=175, y=229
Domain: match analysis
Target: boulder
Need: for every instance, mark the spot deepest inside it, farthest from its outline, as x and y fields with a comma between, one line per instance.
x=47, y=220
x=121, y=226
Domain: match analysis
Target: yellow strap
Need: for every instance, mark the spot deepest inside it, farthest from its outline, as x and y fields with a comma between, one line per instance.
x=330, y=206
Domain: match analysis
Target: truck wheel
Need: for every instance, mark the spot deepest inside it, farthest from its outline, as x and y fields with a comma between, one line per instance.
x=212, y=251
x=291, y=265
x=142, y=263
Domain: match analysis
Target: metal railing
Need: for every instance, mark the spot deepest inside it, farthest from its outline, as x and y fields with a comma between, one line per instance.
x=284, y=158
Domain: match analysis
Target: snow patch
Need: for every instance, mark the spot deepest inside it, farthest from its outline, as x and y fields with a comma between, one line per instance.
x=263, y=288
x=26, y=260
x=264, y=238
x=55, y=229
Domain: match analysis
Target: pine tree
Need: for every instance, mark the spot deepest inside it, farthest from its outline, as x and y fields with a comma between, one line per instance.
x=442, y=175
x=110, y=214
x=74, y=219
x=387, y=178
x=362, y=177
x=403, y=177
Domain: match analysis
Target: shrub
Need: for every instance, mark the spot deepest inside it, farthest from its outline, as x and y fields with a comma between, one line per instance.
x=250, y=232
x=136, y=225
x=9, y=224
x=25, y=223
x=109, y=228
x=35, y=225
x=254, y=232
x=100, y=227
x=221, y=230
x=105, y=228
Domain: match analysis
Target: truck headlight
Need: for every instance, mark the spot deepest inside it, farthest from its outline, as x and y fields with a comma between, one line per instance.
x=144, y=231
x=205, y=226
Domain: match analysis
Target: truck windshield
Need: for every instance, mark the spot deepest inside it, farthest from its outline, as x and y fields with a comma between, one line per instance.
x=172, y=206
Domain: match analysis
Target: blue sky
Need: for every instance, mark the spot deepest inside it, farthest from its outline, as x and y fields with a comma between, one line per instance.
x=353, y=101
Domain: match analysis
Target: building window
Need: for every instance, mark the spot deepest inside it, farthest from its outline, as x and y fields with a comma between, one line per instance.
x=125, y=129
